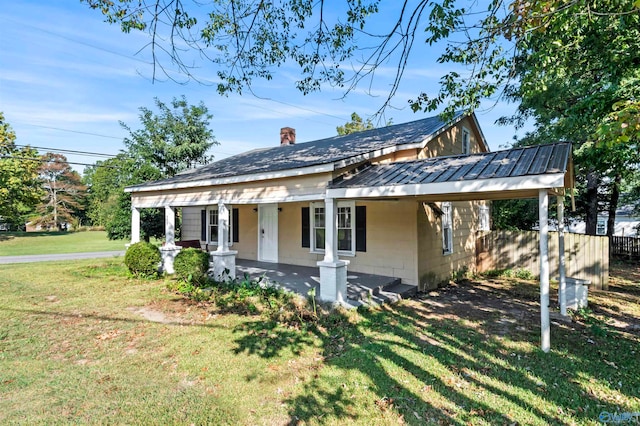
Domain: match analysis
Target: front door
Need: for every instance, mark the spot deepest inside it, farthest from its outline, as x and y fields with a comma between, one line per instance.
x=268, y=233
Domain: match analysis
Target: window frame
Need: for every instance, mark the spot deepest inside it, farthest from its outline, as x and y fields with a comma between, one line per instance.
x=447, y=224
x=211, y=240
x=601, y=226
x=312, y=226
x=466, y=141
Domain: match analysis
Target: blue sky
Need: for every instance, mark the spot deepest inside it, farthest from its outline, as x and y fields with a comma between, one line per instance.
x=67, y=78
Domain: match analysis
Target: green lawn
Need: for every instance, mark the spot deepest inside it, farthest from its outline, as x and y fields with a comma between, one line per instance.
x=82, y=343
x=26, y=243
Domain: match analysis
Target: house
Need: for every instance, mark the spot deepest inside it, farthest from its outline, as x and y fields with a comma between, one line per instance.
x=627, y=223
x=405, y=200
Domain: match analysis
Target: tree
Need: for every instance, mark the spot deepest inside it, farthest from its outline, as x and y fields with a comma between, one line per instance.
x=355, y=125
x=19, y=186
x=174, y=139
x=170, y=141
x=569, y=79
x=63, y=192
x=250, y=39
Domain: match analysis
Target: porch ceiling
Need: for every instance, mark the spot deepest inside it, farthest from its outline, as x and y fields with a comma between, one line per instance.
x=514, y=173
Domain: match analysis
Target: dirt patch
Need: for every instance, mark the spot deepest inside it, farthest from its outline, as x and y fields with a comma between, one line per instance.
x=511, y=306
x=152, y=315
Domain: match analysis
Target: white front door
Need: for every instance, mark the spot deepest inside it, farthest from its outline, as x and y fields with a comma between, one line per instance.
x=268, y=233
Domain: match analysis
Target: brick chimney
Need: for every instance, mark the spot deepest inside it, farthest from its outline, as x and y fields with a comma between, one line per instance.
x=287, y=136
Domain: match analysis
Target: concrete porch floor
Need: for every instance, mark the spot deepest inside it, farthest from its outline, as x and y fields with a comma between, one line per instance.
x=361, y=288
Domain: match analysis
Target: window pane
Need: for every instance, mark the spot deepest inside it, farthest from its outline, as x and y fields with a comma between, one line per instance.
x=344, y=239
x=213, y=225
x=344, y=217
x=319, y=240
x=319, y=217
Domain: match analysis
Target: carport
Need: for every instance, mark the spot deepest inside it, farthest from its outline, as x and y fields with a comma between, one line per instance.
x=531, y=172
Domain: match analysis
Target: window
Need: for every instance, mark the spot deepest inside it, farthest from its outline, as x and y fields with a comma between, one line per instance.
x=212, y=225
x=345, y=224
x=345, y=228
x=447, y=228
x=466, y=144
x=359, y=222
x=601, y=227
x=318, y=228
x=483, y=218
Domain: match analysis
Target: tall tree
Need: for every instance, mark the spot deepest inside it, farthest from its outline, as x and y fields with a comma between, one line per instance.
x=171, y=140
x=570, y=79
x=357, y=124
x=63, y=191
x=174, y=139
x=19, y=186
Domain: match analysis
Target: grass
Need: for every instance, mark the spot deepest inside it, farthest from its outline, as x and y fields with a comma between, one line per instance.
x=83, y=343
x=29, y=243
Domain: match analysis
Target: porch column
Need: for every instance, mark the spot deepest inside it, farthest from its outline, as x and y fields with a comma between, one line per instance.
x=333, y=271
x=135, y=225
x=170, y=225
x=222, y=262
x=223, y=227
x=562, y=290
x=169, y=250
x=543, y=207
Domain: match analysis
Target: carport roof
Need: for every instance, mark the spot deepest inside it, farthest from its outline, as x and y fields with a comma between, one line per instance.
x=513, y=173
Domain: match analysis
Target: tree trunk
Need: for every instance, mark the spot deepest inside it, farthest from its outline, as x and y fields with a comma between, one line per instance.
x=591, y=219
x=613, y=205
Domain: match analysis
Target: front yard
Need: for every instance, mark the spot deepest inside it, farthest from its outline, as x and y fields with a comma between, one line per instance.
x=82, y=343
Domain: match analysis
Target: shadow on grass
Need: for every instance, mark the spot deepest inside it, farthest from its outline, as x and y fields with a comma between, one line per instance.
x=474, y=362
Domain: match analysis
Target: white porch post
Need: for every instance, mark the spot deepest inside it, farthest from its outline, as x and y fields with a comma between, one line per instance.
x=135, y=225
x=333, y=271
x=222, y=263
x=562, y=290
x=543, y=207
x=169, y=250
x=223, y=227
x=170, y=225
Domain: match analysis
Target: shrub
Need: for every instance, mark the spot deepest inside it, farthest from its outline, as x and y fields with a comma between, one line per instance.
x=191, y=265
x=142, y=259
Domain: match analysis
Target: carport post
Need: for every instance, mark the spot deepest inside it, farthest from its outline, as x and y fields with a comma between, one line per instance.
x=543, y=213
x=562, y=289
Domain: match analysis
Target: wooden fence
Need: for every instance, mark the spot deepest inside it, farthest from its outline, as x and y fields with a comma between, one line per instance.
x=625, y=247
x=586, y=256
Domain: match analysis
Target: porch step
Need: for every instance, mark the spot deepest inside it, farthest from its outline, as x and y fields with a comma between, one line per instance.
x=389, y=292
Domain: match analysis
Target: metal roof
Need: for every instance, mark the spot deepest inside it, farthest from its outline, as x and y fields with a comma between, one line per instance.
x=516, y=162
x=314, y=153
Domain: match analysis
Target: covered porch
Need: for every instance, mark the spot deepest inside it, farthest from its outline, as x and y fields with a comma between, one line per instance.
x=362, y=288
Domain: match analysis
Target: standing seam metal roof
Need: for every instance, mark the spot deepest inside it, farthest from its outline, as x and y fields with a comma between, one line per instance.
x=517, y=162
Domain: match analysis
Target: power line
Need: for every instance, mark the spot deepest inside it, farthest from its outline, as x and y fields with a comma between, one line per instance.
x=71, y=131
x=42, y=160
x=70, y=151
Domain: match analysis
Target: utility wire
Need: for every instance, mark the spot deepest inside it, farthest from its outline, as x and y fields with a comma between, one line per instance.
x=71, y=131
x=69, y=151
x=42, y=160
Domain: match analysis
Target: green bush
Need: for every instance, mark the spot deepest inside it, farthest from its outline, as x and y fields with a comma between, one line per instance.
x=191, y=265
x=142, y=259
